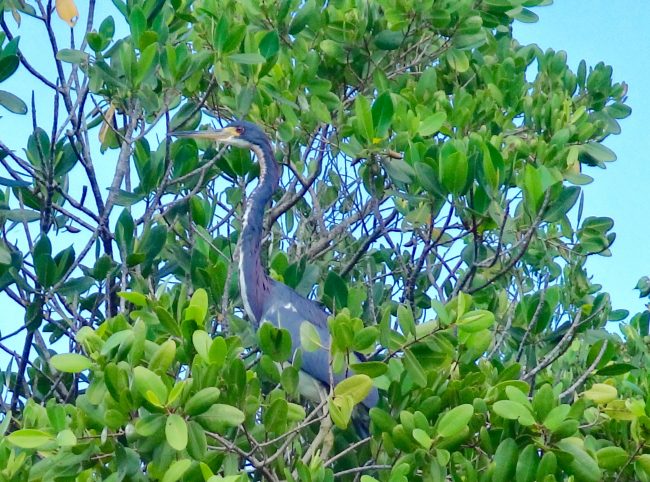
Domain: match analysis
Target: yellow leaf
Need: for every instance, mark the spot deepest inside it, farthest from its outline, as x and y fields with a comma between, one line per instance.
x=67, y=11
x=106, y=125
x=575, y=168
x=601, y=393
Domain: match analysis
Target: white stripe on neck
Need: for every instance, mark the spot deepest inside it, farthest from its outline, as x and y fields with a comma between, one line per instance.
x=242, y=278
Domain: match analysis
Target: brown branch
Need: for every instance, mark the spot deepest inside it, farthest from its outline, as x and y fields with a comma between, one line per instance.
x=231, y=447
x=533, y=321
x=586, y=373
x=317, y=248
x=524, y=248
x=557, y=350
x=376, y=234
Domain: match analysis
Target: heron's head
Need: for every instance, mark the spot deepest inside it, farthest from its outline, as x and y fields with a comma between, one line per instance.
x=238, y=133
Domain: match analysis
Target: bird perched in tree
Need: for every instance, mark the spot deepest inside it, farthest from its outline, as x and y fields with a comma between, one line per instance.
x=265, y=299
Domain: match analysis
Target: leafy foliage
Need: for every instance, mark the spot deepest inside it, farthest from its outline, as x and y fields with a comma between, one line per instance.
x=432, y=169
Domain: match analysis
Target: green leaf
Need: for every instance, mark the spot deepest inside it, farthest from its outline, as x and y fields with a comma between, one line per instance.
x=399, y=170
x=167, y=321
x=612, y=458
x=561, y=206
x=218, y=351
x=527, y=464
x=382, y=114
x=428, y=178
x=458, y=60
x=4, y=425
x=138, y=299
x=150, y=424
x=66, y=438
x=176, y=432
x=72, y=56
x=526, y=16
x=547, y=466
x=543, y=401
x=202, y=400
x=382, y=420
x=21, y=215
x=414, y=368
x=432, y=124
x=357, y=387
x=336, y=288
x=275, y=342
x=144, y=380
x=197, y=444
x=138, y=23
x=76, y=286
x=29, y=438
x=340, y=410
x=198, y=307
x=202, y=344
x=290, y=379
x=295, y=412
x=388, y=40
x=12, y=103
x=365, y=338
x=598, y=152
x=454, y=168
x=475, y=321
x=580, y=464
x=309, y=337
x=301, y=18
x=332, y=49
x=615, y=369
x=556, y=417
x=643, y=464
x=373, y=369
x=533, y=188
x=455, y=420
x=163, y=357
x=405, y=320
x=275, y=417
x=220, y=416
x=513, y=411
x=70, y=362
x=270, y=44
x=146, y=64
x=363, y=114
x=618, y=110
x=176, y=470
x=505, y=461
x=107, y=28
x=320, y=110
x=43, y=247
x=247, y=59
x=422, y=438
x=8, y=65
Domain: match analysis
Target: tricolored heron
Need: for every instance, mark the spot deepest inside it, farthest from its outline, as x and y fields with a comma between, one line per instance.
x=265, y=299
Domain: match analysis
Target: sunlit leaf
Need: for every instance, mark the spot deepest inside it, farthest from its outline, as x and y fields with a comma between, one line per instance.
x=67, y=11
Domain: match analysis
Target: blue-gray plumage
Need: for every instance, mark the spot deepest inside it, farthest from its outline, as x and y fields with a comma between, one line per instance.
x=264, y=299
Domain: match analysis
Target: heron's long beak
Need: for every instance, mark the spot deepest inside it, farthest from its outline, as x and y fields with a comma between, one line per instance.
x=215, y=135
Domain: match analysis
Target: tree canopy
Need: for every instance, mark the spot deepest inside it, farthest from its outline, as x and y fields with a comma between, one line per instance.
x=430, y=198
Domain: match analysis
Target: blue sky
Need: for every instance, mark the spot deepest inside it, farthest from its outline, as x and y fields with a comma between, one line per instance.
x=616, y=33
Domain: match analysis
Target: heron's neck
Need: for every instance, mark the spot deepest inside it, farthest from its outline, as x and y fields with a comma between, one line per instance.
x=253, y=281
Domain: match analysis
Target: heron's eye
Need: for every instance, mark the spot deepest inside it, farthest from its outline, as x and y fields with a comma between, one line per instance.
x=240, y=130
